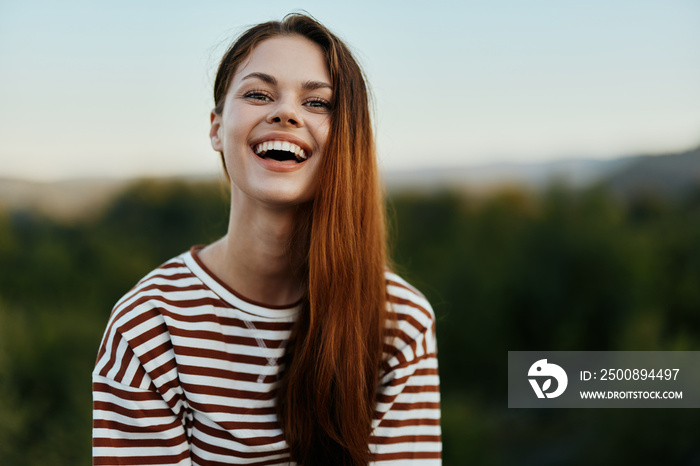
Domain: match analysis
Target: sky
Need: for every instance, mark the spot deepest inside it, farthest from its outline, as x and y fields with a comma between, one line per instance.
x=123, y=88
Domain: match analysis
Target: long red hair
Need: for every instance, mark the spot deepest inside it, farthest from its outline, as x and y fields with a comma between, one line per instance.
x=327, y=392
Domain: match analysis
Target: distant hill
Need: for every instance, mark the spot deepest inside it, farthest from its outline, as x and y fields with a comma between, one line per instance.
x=70, y=199
x=60, y=199
x=666, y=175
x=574, y=172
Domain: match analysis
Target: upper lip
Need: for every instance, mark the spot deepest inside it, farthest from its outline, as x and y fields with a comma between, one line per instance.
x=282, y=137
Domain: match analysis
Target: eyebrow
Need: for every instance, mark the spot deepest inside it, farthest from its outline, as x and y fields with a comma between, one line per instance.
x=306, y=85
x=311, y=85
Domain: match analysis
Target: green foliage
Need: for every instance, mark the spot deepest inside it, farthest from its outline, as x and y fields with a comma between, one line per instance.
x=561, y=270
x=57, y=286
x=564, y=270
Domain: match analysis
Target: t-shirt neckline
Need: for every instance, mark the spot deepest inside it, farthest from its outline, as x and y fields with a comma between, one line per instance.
x=228, y=294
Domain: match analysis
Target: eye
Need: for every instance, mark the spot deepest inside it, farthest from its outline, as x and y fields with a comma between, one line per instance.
x=317, y=103
x=258, y=95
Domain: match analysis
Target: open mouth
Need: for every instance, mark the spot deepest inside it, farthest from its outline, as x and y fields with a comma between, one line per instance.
x=280, y=151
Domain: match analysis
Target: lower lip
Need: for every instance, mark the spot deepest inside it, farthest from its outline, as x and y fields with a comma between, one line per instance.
x=276, y=166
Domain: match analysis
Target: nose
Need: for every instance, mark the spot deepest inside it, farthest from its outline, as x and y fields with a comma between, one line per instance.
x=285, y=112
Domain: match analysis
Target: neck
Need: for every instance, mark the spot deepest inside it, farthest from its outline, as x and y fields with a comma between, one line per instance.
x=257, y=256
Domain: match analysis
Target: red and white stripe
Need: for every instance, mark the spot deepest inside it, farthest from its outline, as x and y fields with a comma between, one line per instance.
x=187, y=371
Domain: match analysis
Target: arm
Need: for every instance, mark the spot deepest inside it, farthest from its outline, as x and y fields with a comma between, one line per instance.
x=133, y=426
x=407, y=424
x=136, y=422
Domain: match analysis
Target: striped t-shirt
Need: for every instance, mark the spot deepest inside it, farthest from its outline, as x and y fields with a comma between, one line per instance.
x=187, y=371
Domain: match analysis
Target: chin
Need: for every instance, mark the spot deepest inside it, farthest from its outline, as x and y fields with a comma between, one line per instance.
x=282, y=198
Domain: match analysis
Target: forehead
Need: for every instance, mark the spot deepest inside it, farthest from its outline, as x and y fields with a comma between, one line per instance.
x=292, y=58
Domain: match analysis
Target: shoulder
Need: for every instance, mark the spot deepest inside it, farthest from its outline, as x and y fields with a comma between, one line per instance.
x=169, y=291
x=406, y=302
x=410, y=323
x=169, y=276
x=172, y=284
x=141, y=320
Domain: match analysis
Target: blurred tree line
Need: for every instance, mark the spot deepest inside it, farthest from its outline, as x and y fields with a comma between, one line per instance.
x=515, y=270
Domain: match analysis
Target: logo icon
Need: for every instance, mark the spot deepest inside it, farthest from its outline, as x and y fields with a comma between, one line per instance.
x=542, y=369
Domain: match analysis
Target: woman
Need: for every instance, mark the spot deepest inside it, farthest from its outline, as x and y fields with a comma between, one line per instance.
x=287, y=340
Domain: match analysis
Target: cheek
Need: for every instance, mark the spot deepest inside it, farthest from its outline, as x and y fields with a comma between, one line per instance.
x=322, y=133
x=241, y=119
x=236, y=121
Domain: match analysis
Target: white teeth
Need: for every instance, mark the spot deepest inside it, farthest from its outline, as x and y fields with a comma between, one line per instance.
x=263, y=147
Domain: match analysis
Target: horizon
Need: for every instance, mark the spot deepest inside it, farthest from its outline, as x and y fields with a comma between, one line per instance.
x=387, y=174
x=383, y=170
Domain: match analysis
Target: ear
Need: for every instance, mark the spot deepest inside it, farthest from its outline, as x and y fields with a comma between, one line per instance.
x=215, y=131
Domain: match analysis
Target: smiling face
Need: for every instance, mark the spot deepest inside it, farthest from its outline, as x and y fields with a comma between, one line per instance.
x=275, y=121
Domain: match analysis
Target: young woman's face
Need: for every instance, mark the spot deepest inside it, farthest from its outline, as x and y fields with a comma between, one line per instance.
x=275, y=122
